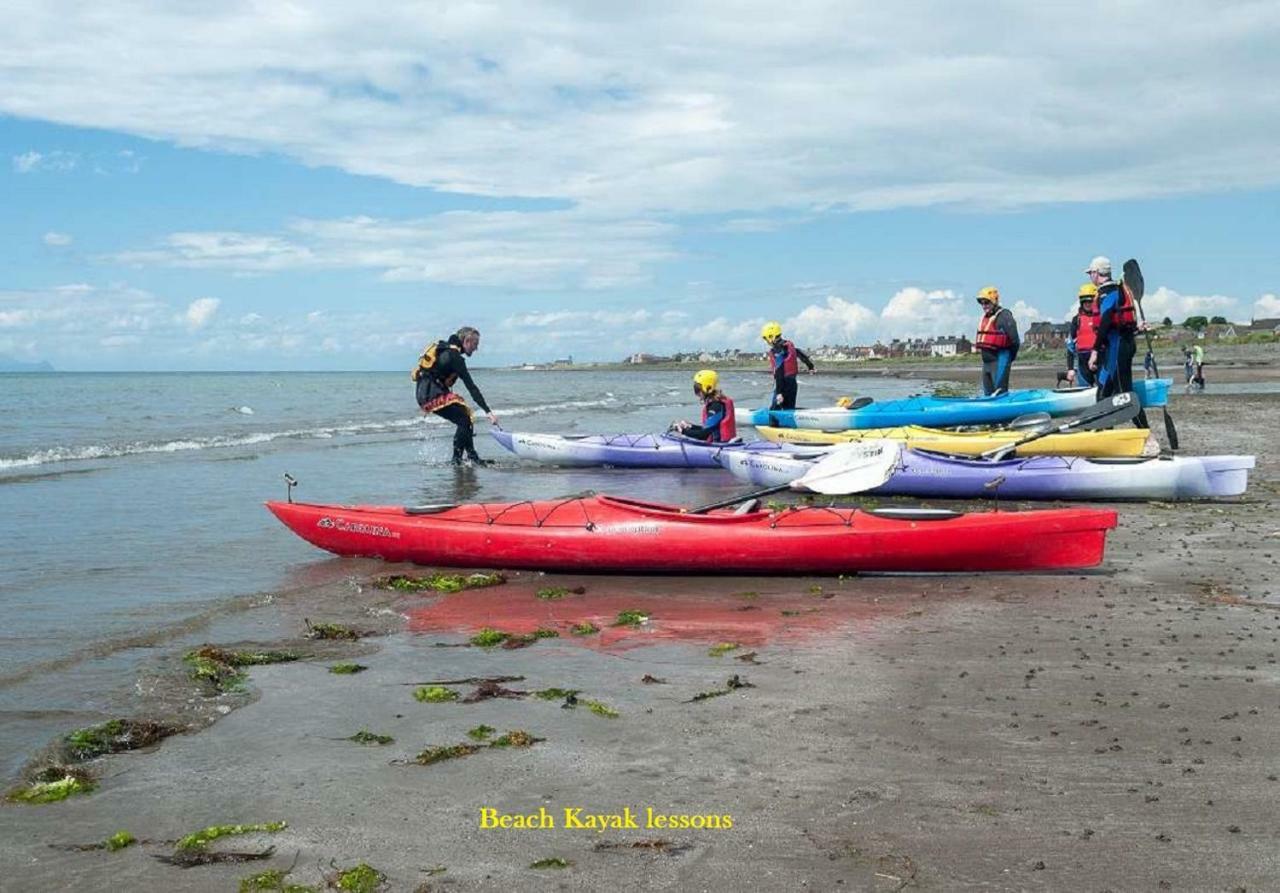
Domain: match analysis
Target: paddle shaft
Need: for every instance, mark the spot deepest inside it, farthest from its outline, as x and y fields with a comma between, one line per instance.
x=1113, y=411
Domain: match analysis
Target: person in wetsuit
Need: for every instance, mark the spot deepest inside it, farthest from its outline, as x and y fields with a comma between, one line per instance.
x=997, y=340
x=1084, y=329
x=440, y=366
x=784, y=359
x=718, y=422
x=1112, y=357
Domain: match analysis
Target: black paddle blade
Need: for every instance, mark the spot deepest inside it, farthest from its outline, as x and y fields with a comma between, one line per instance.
x=1132, y=277
x=1170, y=431
x=1104, y=414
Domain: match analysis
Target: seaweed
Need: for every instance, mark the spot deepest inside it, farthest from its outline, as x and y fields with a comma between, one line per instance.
x=480, y=732
x=52, y=785
x=435, y=694
x=631, y=618
x=439, y=582
x=552, y=862
x=514, y=640
x=119, y=841
x=192, y=858
x=469, y=680
x=556, y=694
x=515, y=738
x=440, y=753
x=648, y=679
x=221, y=668
x=655, y=845
x=114, y=736
x=555, y=592
x=488, y=637
x=733, y=684
x=202, y=838
x=272, y=881
x=332, y=631
x=364, y=736
x=487, y=690
x=723, y=648
x=600, y=709
x=347, y=669
x=361, y=878
x=585, y=628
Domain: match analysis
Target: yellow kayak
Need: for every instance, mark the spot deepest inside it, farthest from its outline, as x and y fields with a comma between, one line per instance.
x=1115, y=443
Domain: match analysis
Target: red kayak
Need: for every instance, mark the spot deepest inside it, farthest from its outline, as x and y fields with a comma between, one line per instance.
x=610, y=534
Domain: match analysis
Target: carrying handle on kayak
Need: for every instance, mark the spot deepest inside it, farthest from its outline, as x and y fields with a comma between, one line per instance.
x=1105, y=414
x=289, y=482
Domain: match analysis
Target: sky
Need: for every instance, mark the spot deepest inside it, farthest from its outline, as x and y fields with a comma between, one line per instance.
x=331, y=186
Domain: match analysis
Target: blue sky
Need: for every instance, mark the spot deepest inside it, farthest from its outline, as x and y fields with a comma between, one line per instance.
x=321, y=187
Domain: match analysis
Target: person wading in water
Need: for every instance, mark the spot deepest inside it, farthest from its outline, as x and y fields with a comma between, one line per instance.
x=439, y=367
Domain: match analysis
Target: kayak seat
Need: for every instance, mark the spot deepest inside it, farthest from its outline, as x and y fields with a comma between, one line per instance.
x=747, y=507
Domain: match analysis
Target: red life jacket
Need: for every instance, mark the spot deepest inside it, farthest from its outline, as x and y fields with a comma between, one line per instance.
x=728, y=428
x=790, y=363
x=989, y=337
x=1125, y=315
x=1087, y=329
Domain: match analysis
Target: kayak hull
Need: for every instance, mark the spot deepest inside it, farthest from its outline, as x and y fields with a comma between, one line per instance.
x=928, y=475
x=943, y=412
x=617, y=450
x=1115, y=443
x=606, y=534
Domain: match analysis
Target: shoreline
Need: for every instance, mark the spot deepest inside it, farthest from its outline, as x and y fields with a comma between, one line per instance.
x=1014, y=731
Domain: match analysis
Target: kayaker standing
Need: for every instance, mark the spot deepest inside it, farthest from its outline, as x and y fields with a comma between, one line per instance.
x=1116, y=343
x=1197, y=357
x=784, y=359
x=997, y=340
x=439, y=367
x=718, y=422
x=1084, y=330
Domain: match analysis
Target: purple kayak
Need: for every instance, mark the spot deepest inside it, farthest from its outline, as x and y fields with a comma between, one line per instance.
x=932, y=475
x=621, y=450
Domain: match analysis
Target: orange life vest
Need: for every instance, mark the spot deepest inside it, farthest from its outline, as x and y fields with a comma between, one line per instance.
x=728, y=428
x=1125, y=316
x=1086, y=330
x=990, y=337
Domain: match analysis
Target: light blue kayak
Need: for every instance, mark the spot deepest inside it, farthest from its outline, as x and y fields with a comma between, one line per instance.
x=946, y=412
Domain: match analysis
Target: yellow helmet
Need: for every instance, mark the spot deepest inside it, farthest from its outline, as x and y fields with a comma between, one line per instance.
x=990, y=293
x=1089, y=291
x=705, y=381
x=771, y=331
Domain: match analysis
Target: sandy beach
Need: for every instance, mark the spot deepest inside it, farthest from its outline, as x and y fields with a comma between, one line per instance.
x=1110, y=730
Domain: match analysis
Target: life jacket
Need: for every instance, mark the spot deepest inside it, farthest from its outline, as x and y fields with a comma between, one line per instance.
x=790, y=363
x=1087, y=329
x=1124, y=317
x=728, y=428
x=427, y=362
x=990, y=337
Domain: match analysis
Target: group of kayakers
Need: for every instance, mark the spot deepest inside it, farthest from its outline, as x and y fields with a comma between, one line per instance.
x=1100, y=351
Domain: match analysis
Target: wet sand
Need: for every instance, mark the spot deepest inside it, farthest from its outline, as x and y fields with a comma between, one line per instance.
x=1117, y=729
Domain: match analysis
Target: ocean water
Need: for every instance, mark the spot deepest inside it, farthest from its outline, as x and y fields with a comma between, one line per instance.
x=131, y=515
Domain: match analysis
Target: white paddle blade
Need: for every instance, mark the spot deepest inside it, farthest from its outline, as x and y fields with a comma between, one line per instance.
x=852, y=468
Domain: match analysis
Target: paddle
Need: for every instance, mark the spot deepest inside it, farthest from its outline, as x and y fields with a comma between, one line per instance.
x=1132, y=279
x=852, y=468
x=1029, y=420
x=1105, y=414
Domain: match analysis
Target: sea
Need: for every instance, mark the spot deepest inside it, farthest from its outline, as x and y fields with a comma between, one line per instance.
x=131, y=504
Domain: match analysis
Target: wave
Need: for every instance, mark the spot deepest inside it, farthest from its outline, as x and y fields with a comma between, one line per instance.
x=56, y=454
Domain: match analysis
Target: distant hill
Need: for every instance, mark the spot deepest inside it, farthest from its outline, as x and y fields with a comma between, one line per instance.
x=8, y=365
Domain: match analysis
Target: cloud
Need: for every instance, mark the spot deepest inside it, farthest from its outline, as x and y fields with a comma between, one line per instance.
x=57, y=240
x=1165, y=302
x=836, y=106
x=1266, y=307
x=509, y=249
x=200, y=311
x=55, y=162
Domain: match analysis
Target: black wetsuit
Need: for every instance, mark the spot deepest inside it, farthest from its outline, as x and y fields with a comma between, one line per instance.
x=434, y=393
x=784, y=380
x=710, y=430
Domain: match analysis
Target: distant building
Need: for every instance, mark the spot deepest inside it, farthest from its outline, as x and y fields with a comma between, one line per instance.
x=949, y=346
x=1047, y=334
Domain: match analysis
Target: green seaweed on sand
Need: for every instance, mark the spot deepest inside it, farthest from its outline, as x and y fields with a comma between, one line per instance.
x=347, y=669
x=53, y=784
x=600, y=709
x=114, y=736
x=515, y=738
x=361, y=878
x=585, y=628
x=733, y=684
x=439, y=582
x=119, y=841
x=364, y=736
x=272, y=881
x=480, y=732
x=221, y=668
x=631, y=618
x=487, y=637
x=723, y=648
x=435, y=694
x=201, y=839
x=555, y=592
x=951, y=389
x=521, y=640
x=815, y=589
x=552, y=862
x=331, y=631
x=431, y=755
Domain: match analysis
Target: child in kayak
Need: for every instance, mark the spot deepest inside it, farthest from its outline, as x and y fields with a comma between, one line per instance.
x=718, y=423
x=440, y=365
x=784, y=359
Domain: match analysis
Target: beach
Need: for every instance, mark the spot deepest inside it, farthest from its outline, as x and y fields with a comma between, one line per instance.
x=1112, y=729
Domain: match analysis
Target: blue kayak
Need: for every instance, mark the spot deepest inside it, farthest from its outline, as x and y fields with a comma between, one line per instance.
x=945, y=412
